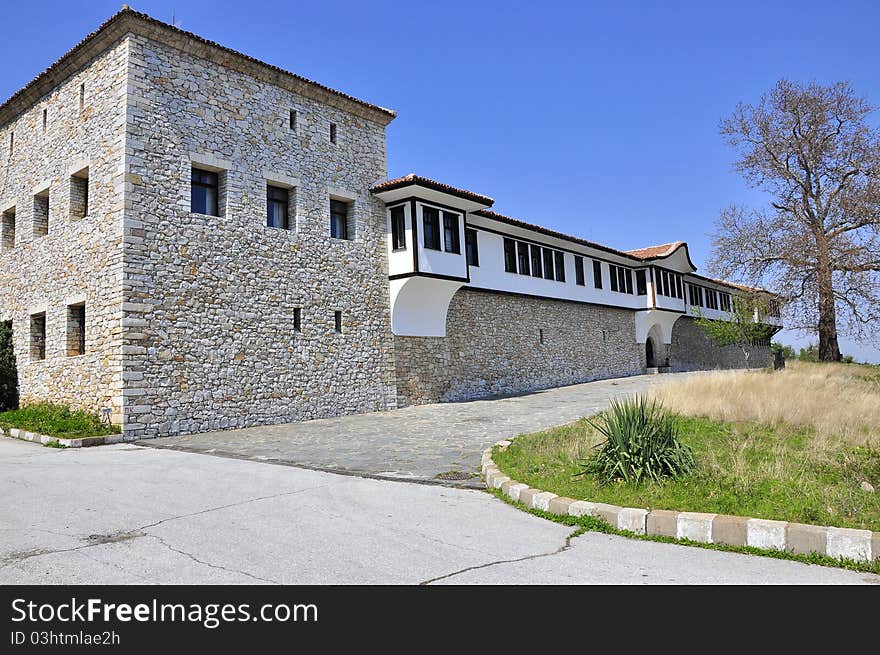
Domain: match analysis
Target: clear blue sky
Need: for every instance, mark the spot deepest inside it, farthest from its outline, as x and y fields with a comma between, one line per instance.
x=597, y=119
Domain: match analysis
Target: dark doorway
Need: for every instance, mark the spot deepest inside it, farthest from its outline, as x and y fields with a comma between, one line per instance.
x=649, y=354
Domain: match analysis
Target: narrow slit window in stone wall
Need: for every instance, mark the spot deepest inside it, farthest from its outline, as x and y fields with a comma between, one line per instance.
x=337, y=321
x=339, y=219
x=7, y=230
x=431, y=225
x=560, y=265
x=471, y=247
x=597, y=274
x=82, y=96
x=38, y=336
x=76, y=329
x=579, y=271
x=451, y=239
x=297, y=319
x=79, y=194
x=277, y=207
x=398, y=228
x=41, y=214
x=205, y=193
x=332, y=132
x=541, y=336
x=291, y=120
x=45, y=119
x=11, y=143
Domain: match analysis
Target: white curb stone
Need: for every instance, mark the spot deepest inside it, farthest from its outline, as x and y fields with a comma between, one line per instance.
x=849, y=543
x=514, y=490
x=498, y=480
x=762, y=533
x=583, y=508
x=632, y=519
x=695, y=526
x=542, y=500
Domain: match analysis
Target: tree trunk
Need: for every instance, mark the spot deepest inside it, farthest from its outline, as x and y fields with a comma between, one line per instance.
x=829, y=350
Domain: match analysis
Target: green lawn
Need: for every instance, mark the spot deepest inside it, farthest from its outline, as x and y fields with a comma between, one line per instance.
x=745, y=469
x=56, y=421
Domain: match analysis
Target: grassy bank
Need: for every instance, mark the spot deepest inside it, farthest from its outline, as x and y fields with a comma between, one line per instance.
x=56, y=421
x=792, y=446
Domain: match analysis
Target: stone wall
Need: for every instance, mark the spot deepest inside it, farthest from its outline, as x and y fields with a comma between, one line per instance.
x=494, y=347
x=210, y=301
x=79, y=259
x=692, y=350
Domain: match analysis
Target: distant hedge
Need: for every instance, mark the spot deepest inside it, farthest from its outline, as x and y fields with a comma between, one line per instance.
x=8, y=370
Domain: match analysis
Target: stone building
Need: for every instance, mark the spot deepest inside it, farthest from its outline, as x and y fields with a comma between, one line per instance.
x=193, y=240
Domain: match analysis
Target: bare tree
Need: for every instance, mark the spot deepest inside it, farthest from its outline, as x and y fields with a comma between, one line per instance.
x=818, y=243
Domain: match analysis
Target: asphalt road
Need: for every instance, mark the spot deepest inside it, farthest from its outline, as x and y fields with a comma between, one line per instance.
x=128, y=514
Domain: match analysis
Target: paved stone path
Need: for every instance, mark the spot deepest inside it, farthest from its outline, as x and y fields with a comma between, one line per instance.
x=419, y=443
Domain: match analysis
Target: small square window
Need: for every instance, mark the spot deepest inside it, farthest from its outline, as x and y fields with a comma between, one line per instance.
x=41, y=214
x=7, y=230
x=79, y=194
x=205, y=192
x=339, y=220
x=76, y=329
x=277, y=207
x=38, y=336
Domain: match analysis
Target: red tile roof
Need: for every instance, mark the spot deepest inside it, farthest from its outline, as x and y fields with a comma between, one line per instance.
x=116, y=26
x=416, y=180
x=651, y=252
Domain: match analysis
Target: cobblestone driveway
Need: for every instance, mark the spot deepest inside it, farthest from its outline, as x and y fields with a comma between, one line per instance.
x=427, y=442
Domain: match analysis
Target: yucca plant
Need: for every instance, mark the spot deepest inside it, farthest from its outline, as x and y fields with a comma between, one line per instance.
x=641, y=444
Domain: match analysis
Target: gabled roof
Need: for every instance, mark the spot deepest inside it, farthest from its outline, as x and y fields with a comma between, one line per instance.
x=128, y=20
x=416, y=180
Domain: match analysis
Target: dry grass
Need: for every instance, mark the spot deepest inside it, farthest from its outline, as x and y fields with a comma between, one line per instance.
x=839, y=401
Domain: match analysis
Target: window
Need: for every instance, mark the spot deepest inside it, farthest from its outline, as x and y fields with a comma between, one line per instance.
x=668, y=283
x=41, y=214
x=522, y=251
x=472, y=251
x=724, y=301
x=79, y=194
x=621, y=279
x=337, y=321
x=398, y=228
x=711, y=299
x=291, y=120
x=540, y=269
x=451, y=238
x=332, y=132
x=641, y=283
x=510, y=255
x=277, y=207
x=297, y=319
x=205, y=193
x=339, y=219
x=82, y=96
x=7, y=230
x=696, y=295
x=11, y=143
x=774, y=308
x=678, y=287
x=548, y=263
x=431, y=226
x=38, y=336
x=560, y=266
x=76, y=329
x=541, y=336
x=45, y=119
x=597, y=274
x=579, y=270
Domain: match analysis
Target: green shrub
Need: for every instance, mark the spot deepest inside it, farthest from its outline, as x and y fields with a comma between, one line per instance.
x=8, y=370
x=56, y=421
x=641, y=444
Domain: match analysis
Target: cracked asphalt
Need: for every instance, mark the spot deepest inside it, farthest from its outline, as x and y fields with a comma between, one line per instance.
x=126, y=514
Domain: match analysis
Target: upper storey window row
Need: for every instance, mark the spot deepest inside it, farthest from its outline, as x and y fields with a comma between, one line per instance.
x=534, y=260
x=669, y=284
x=441, y=230
x=621, y=279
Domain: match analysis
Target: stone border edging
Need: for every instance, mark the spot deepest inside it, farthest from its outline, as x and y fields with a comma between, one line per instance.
x=83, y=442
x=797, y=538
